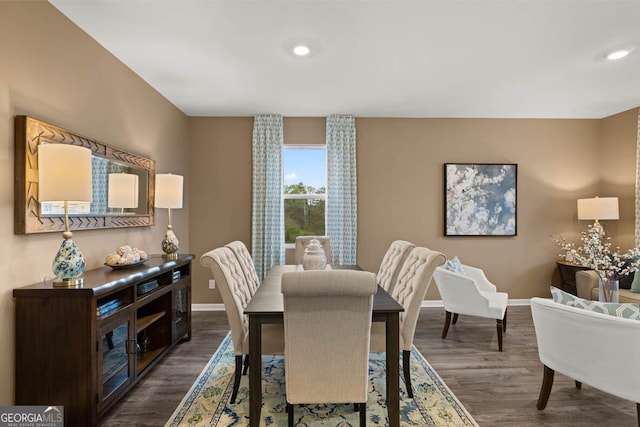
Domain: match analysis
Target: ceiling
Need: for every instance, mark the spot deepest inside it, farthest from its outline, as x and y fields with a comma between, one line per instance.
x=476, y=58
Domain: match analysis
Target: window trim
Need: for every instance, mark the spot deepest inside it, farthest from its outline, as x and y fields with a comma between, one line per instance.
x=321, y=196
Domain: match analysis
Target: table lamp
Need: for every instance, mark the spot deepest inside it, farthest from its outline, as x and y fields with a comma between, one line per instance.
x=598, y=208
x=123, y=191
x=64, y=175
x=169, y=195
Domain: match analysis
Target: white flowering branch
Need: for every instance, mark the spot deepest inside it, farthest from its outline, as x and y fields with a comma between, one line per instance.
x=596, y=254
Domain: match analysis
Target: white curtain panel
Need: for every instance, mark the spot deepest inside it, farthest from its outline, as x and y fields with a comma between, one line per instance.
x=342, y=203
x=267, y=228
x=638, y=181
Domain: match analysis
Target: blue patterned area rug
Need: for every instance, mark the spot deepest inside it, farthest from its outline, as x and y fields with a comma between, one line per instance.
x=207, y=403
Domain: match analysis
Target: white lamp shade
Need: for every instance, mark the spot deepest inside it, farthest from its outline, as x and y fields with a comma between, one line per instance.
x=598, y=208
x=168, y=191
x=123, y=190
x=64, y=173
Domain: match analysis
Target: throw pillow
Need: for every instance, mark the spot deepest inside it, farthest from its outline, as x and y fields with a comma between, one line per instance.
x=561, y=296
x=626, y=310
x=635, y=285
x=454, y=265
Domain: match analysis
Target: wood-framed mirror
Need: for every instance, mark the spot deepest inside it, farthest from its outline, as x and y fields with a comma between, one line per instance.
x=33, y=217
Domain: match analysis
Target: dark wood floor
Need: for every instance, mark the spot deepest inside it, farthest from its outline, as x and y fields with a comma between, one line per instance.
x=498, y=389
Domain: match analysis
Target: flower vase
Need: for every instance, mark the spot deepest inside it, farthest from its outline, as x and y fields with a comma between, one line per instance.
x=608, y=290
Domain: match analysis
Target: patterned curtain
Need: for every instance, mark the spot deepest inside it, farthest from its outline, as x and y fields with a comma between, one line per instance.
x=342, y=203
x=99, y=185
x=638, y=182
x=267, y=229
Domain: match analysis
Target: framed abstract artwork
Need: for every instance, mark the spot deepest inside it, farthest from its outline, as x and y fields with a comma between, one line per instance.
x=480, y=199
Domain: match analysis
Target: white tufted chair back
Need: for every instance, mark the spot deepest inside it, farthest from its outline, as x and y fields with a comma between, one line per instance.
x=413, y=282
x=246, y=263
x=392, y=263
x=236, y=293
x=234, y=289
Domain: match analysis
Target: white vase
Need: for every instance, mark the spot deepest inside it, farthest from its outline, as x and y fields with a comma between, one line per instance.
x=314, y=258
x=608, y=290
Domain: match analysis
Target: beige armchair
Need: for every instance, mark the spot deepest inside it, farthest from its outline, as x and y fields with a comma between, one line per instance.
x=588, y=287
x=392, y=263
x=303, y=241
x=413, y=282
x=471, y=294
x=327, y=324
x=236, y=294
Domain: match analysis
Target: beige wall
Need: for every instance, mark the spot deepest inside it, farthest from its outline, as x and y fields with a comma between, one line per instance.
x=53, y=71
x=400, y=186
x=220, y=210
x=617, y=157
x=400, y=190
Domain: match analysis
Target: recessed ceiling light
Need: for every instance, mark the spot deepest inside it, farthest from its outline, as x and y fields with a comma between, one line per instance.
x=618, y=54
x=301, y=50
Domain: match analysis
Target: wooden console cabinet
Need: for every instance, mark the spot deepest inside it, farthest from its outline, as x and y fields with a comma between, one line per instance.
x=84, y=348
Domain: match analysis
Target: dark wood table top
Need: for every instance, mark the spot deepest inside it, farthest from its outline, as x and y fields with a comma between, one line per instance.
x=105, y=279
x=268, y=298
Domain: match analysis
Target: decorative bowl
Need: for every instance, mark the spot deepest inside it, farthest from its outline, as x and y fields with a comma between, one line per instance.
x=122, y=266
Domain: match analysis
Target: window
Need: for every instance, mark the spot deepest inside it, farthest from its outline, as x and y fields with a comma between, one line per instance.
x=304, y=191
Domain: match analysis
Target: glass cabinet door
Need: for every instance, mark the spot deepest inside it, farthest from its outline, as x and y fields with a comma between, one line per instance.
x=181, y=321
x=115, y=348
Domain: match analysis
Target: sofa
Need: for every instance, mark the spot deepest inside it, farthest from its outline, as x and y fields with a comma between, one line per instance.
x=587, y=286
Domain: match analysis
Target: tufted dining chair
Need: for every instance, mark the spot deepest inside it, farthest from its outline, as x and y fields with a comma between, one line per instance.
x=413, y=282
x=246, y=263
x=392, y=263
x=327, y=323
x=471, y=294
x=236, y=294
x=303, y=241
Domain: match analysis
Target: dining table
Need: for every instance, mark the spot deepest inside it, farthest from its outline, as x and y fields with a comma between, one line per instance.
x=266, y=306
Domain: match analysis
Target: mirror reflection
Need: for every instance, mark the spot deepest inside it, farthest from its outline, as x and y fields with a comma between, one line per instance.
x=111, y=194
x=121, y=206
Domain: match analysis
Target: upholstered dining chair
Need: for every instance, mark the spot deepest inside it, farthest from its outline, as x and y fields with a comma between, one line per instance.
x=471, y=294
x=236, y=294
x=327, y=324
x=392, y=263
x=303, y=241
x=413, y=282
x=246, y=263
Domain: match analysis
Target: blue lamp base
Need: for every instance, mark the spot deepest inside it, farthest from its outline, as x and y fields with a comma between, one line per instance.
x=68, y=265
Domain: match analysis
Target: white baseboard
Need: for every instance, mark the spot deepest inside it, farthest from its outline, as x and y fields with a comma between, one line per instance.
x=427, y=303
x=207, y=307
x=438, y=303
x=525, y=302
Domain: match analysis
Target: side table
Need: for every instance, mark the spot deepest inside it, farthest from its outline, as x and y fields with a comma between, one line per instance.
x=568, y=273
